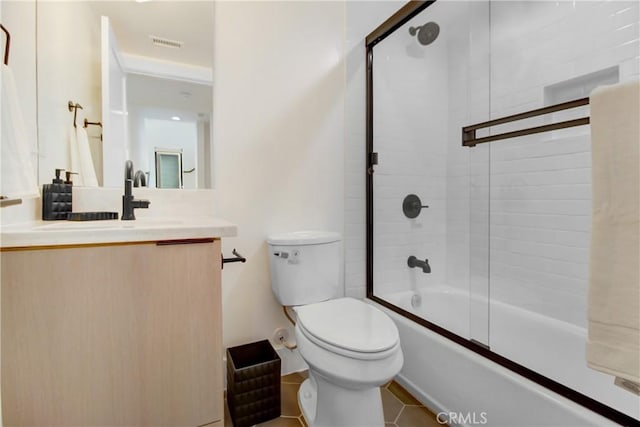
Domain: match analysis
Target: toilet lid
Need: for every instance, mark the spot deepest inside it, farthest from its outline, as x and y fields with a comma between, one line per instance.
x=298, y=238
x=350, y=324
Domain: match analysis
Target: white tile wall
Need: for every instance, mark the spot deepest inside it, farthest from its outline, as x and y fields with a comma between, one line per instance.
x=541, y=185
x=411, y=102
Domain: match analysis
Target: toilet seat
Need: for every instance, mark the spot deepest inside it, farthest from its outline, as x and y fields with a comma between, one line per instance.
x=349, y=327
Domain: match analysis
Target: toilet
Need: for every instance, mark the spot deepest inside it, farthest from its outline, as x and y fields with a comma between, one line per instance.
x=351, y=347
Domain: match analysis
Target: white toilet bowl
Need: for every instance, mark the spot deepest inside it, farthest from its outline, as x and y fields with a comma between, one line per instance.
x=352, y=349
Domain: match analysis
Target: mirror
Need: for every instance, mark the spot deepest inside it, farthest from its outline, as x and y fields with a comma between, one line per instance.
x=170, y=116
x=135, y=70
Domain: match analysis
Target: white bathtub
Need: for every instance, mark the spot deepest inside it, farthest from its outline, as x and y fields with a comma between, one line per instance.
x=448, y=377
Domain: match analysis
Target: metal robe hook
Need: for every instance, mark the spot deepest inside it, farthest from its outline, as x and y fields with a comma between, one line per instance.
x=7, y=45
x=74, y=107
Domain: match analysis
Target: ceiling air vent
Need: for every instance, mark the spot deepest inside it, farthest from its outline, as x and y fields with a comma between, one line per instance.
x=160, y=41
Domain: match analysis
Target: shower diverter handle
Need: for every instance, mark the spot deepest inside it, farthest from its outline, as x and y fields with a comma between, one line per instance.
x=412, y=205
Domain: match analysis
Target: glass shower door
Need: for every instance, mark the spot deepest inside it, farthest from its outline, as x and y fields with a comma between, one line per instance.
x=430, y=238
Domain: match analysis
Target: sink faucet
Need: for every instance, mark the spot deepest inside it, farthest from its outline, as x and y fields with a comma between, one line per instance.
x=128, y=202
x=140, y=179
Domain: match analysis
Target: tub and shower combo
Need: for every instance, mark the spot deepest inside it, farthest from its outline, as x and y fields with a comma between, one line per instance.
x=478, y=231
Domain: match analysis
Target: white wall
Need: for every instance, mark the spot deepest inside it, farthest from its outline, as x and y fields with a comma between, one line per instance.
x=68, y=70
x=278, y=132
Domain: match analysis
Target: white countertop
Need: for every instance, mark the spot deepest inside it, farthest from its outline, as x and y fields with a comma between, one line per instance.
x=55, y=233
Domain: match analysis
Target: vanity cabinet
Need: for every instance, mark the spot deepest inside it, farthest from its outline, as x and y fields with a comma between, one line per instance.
x=112, y=334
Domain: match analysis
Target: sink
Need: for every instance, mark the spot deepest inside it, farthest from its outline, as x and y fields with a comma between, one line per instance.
x=151, y=223
x=109, y=224
x=78, y=225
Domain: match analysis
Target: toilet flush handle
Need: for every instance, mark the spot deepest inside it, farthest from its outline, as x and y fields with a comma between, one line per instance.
x=283, y=255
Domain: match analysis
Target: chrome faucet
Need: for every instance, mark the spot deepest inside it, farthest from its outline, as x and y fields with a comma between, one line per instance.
x=128, y=202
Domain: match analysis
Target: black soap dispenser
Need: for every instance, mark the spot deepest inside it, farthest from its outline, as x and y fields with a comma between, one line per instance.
x=68, y=174
x=56, y=198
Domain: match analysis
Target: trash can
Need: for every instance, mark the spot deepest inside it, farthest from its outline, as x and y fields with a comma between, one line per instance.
x=253, y=383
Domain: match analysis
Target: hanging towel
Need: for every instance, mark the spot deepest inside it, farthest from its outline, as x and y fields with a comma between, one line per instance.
x=74, y=157
x=17, y=176
x=614, y=284
x=87, y=170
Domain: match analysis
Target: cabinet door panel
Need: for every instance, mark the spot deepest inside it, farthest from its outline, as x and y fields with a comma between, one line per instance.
x=63, y=347
x=180, y=335
x=112, y=335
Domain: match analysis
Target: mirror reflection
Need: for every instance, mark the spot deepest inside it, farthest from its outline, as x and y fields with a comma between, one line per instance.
x=143, y=81
x=170, y=116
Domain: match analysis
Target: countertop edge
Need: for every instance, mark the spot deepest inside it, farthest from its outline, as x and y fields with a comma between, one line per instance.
x=26, y=237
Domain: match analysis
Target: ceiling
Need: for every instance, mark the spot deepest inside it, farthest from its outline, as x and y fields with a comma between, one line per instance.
x=169, y=94
x=190, y=22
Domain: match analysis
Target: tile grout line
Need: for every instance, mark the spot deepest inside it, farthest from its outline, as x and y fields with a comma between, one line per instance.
x=398, y=416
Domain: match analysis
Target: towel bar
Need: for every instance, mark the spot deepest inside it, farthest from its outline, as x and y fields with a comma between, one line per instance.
x=469, y=132
x=237, y=258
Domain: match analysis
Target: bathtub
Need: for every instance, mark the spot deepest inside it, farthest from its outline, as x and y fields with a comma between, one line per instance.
x=469, y=389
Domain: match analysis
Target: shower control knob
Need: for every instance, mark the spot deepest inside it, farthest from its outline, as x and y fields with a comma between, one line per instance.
x=411, y=206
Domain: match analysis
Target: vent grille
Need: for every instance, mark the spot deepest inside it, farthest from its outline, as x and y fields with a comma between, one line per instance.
x=160, y=41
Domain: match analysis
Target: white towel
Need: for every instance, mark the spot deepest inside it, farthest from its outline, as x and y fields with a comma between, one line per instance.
x=17, y=176
x=614, y=284
x=87, y=171
x=74, y=157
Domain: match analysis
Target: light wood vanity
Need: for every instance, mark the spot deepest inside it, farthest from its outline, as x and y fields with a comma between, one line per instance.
x=112, y=333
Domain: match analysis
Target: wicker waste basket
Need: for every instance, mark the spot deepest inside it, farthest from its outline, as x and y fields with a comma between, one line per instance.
x=253, y=383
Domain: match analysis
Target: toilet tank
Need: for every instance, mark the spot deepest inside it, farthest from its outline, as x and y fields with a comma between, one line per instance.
x=305, y=266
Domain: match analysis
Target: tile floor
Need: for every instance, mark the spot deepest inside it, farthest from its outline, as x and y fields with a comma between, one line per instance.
x=400, y=408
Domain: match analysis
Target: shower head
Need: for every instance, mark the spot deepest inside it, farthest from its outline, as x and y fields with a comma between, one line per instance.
x=426, y=33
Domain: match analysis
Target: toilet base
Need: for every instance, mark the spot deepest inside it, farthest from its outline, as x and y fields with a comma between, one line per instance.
x=324, y=404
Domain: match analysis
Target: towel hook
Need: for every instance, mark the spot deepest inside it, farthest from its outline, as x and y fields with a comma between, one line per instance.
x=7, y=45
x=74, y=107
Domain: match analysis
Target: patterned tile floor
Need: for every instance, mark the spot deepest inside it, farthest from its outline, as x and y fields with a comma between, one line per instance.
x=400, y=408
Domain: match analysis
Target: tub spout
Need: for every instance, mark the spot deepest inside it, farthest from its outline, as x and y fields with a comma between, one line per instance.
x=414, y=262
